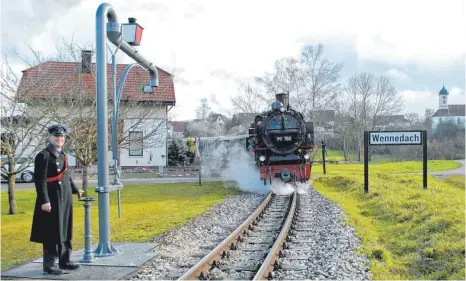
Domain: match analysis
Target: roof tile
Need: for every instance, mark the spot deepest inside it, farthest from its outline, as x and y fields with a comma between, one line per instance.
x=51, y=79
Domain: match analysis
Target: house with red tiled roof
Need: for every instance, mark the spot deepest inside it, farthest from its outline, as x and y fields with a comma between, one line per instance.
x=176, y=129
x=140, y=113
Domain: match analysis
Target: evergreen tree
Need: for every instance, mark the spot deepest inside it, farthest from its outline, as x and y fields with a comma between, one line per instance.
x=177, y=154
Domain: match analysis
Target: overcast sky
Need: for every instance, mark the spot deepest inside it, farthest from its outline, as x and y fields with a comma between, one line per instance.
x=210, y=45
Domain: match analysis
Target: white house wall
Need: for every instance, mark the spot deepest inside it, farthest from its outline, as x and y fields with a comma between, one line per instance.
x=154, y=148
x=154, y=114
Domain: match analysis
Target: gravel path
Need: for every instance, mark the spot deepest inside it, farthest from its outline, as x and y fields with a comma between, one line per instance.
x=331, y=251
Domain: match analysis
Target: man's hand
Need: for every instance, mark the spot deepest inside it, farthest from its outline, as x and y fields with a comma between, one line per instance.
x=80, y=194
x=46, y=207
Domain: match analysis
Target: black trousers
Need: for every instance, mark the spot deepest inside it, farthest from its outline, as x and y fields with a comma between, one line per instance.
x=52, y=251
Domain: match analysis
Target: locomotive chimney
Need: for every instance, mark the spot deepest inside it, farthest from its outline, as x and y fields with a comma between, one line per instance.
x=283, y=98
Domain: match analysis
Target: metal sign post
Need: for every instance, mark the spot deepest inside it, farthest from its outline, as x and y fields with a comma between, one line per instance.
x=324, y=152
x=394, y=138
x=198, y=159
x=113, y=31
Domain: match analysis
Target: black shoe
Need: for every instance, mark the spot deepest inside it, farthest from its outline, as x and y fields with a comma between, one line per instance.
x=54, y=271
x=69, y=266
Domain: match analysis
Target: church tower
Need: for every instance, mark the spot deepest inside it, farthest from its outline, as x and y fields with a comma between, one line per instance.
x=443, y=98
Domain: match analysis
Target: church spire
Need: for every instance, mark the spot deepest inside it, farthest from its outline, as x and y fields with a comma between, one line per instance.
x=443, y=98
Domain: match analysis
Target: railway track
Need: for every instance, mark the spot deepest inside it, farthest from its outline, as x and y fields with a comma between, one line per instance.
x=256, y=250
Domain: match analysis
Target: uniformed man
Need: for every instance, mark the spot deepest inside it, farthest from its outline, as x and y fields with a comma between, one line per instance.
x=52, y=223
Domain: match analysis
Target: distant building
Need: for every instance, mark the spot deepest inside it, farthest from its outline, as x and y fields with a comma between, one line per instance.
x=324, y=123
x=218, y=119
x=448, y=112
x=385, y=122
x=176, y=129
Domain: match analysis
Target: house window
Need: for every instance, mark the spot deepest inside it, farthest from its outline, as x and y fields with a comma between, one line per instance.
x=135, y=143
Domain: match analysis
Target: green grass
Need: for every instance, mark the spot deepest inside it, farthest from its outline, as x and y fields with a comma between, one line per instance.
x=407, y=232
x=385, y=168
x=147, y=210
x=333, y=155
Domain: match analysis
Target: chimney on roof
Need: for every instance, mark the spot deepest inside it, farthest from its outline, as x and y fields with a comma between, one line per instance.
x=86, y=61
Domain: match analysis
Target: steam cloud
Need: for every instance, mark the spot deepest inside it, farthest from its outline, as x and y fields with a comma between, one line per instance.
x=234, y=163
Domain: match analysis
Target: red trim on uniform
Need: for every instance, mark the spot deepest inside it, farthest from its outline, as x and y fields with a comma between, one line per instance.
x=58, y=177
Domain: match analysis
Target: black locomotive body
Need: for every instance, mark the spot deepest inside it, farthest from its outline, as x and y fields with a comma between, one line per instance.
x=282, y=142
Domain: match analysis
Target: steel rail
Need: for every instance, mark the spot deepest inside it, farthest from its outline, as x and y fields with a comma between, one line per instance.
x=270, y=263
x=210, y=261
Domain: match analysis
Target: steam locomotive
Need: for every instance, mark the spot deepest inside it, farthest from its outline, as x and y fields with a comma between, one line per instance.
x=282, y=143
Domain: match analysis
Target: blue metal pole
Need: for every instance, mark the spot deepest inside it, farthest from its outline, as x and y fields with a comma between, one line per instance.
x=104, y=247
x=116, y=101
x=112, y=31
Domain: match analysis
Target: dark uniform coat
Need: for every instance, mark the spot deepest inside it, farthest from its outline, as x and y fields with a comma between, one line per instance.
x=55, y=226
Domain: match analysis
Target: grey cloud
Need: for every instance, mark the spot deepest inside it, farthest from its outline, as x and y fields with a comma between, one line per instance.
x=152, y=5
x=197, y=82
x=214, y=100
x=416, y=77
x=223, y=74
x=193, y=10
x=162, y=11
x=181, y=80
x=178, y=70
x=397, y=74
x=26, y=18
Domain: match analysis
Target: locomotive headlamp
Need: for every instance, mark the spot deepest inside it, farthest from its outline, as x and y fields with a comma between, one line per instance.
x=282, y=109
x=306, y=156
x=262, y=158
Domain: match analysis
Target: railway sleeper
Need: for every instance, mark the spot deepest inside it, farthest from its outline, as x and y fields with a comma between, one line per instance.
x=241, y=267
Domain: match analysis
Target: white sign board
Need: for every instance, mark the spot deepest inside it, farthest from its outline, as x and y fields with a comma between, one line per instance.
x=387, y=138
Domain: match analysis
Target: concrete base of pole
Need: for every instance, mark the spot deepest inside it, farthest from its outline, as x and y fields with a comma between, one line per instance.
x=131, y=259
x=104, y=250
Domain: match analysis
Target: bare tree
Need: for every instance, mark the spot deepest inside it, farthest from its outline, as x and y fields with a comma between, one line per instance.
x=311, y=80
x=73, y=102
x=22, y=134
x=368, y=98
x=285, y=79
x=203, y=110
x=413, y=118
x=385, y=99
x=319, y=79
x=344, y=130
x=251, y=99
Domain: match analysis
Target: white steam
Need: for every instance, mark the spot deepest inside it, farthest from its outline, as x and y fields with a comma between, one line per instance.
x=233, y=163
x=281, y=188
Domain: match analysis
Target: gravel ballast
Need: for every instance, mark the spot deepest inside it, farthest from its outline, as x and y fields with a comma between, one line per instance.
x=332, y=252
x=179, y=249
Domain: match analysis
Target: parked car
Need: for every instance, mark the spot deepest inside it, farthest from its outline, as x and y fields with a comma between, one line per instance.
x=26, y=175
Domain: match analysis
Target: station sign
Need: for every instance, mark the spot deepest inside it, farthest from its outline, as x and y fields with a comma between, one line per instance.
x=395, y=138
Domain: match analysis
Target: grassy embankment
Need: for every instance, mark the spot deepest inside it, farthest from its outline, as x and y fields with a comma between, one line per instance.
x=147, y=210
x=407, y=232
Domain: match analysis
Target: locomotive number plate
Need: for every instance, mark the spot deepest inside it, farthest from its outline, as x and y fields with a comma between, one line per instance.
x=283, y=138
